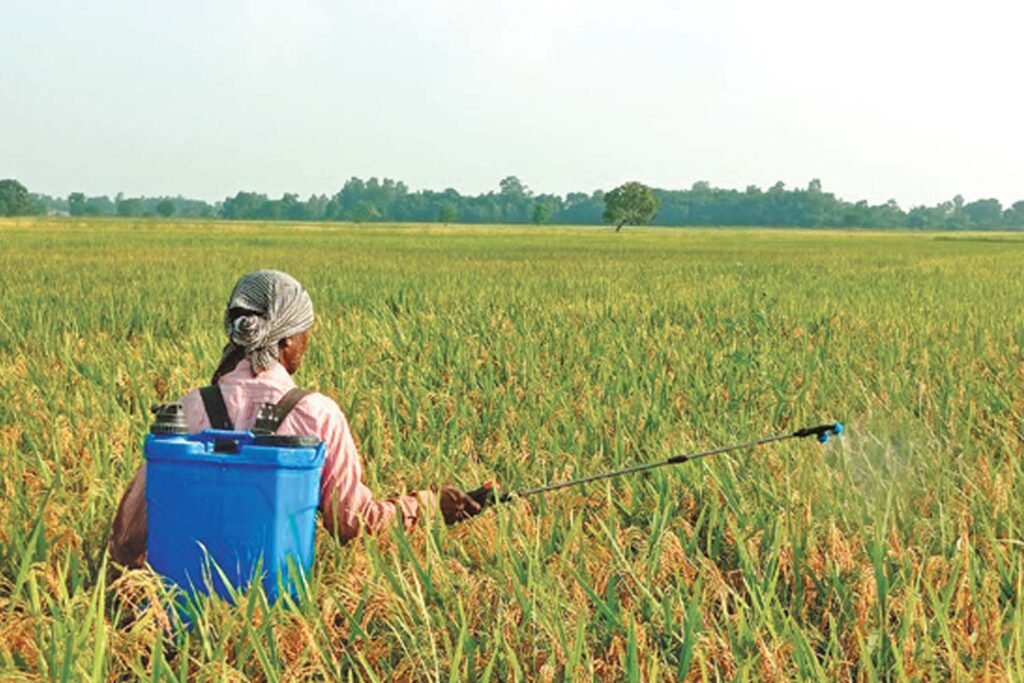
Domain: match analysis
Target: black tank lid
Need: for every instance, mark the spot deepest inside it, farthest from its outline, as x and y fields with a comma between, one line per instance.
x=169, y=421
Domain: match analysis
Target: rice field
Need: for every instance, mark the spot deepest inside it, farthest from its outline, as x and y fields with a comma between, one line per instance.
x=526, y=355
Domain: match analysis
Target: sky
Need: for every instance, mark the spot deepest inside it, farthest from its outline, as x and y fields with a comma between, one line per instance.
x=904, y=99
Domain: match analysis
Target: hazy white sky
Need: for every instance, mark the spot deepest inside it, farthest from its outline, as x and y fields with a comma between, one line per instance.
x=915, y=100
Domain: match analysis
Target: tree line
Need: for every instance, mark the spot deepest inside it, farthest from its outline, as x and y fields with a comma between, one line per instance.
x=512, y=201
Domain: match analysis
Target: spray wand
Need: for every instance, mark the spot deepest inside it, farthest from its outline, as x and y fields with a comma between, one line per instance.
x=488, y=495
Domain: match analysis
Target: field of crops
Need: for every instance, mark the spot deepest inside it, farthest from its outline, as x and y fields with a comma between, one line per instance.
x=527, y=355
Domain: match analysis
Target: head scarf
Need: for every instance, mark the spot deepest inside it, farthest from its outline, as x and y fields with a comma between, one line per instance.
x=265, y=307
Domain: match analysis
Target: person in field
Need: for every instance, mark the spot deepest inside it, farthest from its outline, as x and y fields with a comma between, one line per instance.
x=268, y=318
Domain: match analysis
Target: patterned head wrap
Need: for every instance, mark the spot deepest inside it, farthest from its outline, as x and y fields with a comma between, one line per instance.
x=265, y=307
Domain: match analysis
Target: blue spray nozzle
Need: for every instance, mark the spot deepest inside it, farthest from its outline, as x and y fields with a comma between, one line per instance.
x=822, y=432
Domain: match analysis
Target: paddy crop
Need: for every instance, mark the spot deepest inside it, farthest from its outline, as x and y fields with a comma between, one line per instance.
x=524, y=355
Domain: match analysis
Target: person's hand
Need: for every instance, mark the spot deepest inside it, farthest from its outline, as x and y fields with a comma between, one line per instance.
x=456, y=505
x=488, y=495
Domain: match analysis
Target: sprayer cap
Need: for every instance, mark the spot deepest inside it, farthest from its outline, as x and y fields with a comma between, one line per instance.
x=170, y=420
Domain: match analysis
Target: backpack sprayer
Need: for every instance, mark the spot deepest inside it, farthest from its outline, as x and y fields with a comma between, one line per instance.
x=226, y=508
x=486, y=495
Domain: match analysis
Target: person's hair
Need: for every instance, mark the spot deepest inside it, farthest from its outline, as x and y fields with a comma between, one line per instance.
x=233, y=354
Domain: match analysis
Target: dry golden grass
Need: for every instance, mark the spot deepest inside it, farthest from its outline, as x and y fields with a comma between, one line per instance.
x=527, y=355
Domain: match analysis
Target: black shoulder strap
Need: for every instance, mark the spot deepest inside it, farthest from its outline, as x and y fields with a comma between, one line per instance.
x=289, y=401
x=213, y=401
x=271, y=417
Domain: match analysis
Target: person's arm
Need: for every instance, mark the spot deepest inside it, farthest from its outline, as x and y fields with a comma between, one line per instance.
x=347, y=504
x=128, y=535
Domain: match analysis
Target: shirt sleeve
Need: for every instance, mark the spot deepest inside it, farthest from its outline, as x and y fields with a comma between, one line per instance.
x=347, y=504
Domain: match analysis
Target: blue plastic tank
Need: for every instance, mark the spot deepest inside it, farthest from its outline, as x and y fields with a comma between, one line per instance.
x=231, y=503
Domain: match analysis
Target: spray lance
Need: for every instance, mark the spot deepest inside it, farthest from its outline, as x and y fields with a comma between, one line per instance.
x=487, y=495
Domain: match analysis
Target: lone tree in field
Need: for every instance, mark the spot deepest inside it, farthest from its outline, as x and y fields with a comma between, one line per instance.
x=632, y=203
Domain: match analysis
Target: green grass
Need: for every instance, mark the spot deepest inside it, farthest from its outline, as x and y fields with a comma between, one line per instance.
x=526, y=355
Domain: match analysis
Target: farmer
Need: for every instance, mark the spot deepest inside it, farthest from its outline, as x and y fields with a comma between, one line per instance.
x=267, y=320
